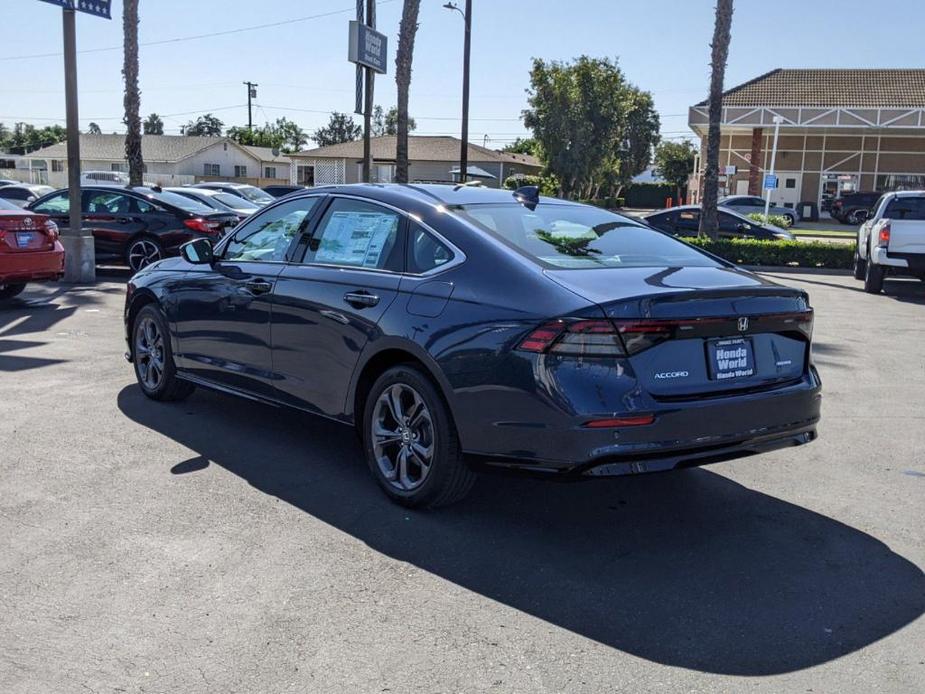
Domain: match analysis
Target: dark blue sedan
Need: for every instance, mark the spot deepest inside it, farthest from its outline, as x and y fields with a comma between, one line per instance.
x=460, y=328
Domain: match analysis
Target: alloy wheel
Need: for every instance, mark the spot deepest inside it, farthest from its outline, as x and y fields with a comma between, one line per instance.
x=149, y=353
x=143, y=252
x=403, y=437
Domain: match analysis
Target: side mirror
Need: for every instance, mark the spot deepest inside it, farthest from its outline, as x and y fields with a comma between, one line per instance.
x=197, y=252
x=744, y=226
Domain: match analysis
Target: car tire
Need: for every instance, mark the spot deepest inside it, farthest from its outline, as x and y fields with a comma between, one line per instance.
x=8, y=291
x=873, y=278
x=152, y=357
x=792, y=218
x=853, y=218
x=142, y=251
x=406, y=422
x=860, y=266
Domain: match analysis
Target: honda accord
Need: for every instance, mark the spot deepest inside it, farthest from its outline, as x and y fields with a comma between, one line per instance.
x=460, y=328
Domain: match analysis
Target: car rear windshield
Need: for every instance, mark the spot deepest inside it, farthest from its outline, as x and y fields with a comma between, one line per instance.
x=183, y=202
x=565, y=236
x=235, y=202
x=4, y=205
x=906, y=208
x=255, y=194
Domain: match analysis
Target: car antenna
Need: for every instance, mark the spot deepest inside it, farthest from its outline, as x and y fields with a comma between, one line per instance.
x=528, y=196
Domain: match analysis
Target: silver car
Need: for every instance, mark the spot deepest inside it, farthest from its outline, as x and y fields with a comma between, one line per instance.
x=749, y=204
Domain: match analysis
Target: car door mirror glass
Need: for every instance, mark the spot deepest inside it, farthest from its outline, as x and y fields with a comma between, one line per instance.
x=197, y=252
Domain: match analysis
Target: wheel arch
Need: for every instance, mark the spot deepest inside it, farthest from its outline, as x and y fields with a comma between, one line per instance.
x=386, y=355
x=140, y=298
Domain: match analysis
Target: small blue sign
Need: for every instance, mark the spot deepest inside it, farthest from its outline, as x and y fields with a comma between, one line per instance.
x=368, y=47
x=98, y=8
x=770, y=181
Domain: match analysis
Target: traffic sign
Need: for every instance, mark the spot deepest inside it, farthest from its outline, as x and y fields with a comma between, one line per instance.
x=770, y=181
x=98, y=8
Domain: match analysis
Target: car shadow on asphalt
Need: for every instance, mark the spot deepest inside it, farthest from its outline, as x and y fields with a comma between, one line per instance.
x=905, y=290
x=688, y=569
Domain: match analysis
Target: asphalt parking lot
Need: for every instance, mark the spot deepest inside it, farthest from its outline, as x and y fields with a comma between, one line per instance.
x=218, y=545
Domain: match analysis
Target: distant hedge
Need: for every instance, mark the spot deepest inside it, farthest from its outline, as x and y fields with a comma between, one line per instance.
x=770, y=253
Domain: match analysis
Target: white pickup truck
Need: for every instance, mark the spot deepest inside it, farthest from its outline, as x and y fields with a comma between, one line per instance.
x=891, y=241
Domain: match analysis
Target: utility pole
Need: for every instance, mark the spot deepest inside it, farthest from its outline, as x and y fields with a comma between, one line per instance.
x=368, y=102
x=79, y=257
x=251, y=94
x=464, y=147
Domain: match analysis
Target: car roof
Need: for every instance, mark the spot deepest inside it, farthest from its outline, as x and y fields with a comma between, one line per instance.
x=193, y=189
x=426, y=193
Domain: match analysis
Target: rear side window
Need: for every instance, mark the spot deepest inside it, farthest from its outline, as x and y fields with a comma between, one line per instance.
x=358, y=234
x=564, y=236
x=906, y=208
x=11, y=193
x=425, y=252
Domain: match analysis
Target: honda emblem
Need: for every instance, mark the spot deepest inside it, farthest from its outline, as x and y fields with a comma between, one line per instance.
x=743, y=324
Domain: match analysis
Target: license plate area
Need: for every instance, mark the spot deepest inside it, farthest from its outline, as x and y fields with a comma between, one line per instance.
x=730, y=358
x=24, y=238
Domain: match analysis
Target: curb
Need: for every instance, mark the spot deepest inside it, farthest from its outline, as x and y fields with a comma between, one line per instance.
x=789, y=269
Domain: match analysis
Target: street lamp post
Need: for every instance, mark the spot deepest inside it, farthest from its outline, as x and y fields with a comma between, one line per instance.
x=767, y=193
x=464, y=147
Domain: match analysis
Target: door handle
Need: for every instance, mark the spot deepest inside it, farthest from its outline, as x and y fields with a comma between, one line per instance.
x=258, y=286
x=361, y=299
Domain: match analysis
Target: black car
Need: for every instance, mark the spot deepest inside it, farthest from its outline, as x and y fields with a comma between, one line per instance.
x=685, y=221
x=140, y=225
x=460, y=328
x=278, y=191
x=853, y=208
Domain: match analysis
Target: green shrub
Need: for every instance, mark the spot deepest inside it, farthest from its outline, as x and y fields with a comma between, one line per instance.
x=547, y=183
x=780, y=253
x=777, y=220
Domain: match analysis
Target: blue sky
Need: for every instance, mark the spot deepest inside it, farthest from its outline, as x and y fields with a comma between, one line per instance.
x=301, y=66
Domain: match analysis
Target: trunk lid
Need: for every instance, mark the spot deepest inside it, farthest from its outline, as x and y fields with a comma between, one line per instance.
x=701, y=331
x=25, y=232
x=906, y=236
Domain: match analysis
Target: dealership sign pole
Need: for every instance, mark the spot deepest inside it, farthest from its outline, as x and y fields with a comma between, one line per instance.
x=80, y=258
x=770, y=180
x=368, y=49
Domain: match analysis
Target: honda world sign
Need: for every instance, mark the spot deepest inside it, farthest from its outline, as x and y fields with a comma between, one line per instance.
x=99, y=8
x=367, y=47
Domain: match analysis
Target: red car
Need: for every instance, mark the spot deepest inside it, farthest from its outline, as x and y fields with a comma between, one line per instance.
x=29, y=249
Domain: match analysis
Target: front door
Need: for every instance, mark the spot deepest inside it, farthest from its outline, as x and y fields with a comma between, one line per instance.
x=328, y=306
x=223, y=311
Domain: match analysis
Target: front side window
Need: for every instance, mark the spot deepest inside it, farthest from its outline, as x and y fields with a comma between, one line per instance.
x=56, y=204
x=563, y=236
x=267, y=237
x=357, y=234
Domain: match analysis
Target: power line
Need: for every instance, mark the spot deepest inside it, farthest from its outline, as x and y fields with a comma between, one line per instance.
x=195, y=37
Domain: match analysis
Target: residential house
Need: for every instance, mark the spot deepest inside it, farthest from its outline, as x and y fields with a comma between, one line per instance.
x=168, y=160
x=432, y=159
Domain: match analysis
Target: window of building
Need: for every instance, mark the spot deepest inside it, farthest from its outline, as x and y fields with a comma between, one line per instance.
x=118, y=166
x=305, y=175
x=790, y=183
x=211, y=170
x=240, y=171
x=57, y=165
x=269, y=172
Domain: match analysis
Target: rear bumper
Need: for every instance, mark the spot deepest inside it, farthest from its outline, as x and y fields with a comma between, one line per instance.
x=684, y=434
x=32, y=266
x=913, y=262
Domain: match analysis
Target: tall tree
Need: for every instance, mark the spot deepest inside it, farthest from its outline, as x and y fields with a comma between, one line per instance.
x=204, y=126
x=709, y=219
x=594, y=128
x=386, y=122
x=283, y=135
x=132, y=98
x=674, y=161
x=340, y=128
x=407, y=30
x=523, y=145
x=94, y=129
x=153, y=125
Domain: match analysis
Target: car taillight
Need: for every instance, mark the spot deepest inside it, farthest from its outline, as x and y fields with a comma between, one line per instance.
x=203, y=226
x=51, y=230
x=884, y=237
x=575, y=338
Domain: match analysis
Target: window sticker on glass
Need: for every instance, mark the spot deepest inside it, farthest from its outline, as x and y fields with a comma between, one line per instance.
x=357, y=238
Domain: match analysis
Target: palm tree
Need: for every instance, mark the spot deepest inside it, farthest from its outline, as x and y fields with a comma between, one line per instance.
x=709, y=221
x=406, y=33
x=132, y=98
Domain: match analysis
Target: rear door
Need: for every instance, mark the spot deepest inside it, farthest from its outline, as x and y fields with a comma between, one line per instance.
x=109, y=216
x=907, y=224
x=328, y=304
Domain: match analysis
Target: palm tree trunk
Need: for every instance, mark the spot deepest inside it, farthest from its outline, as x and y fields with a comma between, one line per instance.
x=132, y=98
x=406, y=33
x=709, y=221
